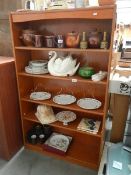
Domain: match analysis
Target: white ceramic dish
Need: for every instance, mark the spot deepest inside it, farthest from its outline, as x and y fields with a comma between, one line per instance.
x=59, y=141
x=38, y=63
x=89, y=103
x=35, y=71
x=40, y=95
x=66, y=117
x=64, y=99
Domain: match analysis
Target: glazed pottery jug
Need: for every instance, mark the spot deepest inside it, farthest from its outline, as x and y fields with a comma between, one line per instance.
x=72, y=40
x=28, y=37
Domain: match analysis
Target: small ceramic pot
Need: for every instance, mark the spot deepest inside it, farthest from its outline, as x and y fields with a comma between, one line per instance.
x=32, y=137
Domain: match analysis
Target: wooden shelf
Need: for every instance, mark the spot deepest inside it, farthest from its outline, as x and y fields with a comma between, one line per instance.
x=67, y=156
x=70, y=127
x=72, y=107
x=62, y=49
x=81, y=13
x=75, y=78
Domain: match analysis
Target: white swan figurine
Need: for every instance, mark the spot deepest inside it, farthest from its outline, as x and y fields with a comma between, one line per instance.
x=62, y=66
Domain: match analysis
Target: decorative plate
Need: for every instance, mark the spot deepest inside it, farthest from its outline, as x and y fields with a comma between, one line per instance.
x=66, y=117
x=64, y=99
x=32, y=71
x=40, y=95
x=59, y=141
x=89, y=103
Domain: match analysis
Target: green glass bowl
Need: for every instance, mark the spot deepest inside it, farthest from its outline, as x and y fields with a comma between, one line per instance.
x=86, y=72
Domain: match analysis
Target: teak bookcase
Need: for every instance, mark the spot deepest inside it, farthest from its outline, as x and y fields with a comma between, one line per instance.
x=86, y=148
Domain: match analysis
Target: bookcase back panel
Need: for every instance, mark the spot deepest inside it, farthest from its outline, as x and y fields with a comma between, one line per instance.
x=97, y=60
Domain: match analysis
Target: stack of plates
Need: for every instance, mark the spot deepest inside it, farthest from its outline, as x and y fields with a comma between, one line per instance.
x=37, y=67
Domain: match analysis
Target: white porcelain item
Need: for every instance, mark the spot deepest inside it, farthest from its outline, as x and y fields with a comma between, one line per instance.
x=64, y=99
x=99, y=76
x=35, y=71
x=45, y=114
x=59, y=141
x=89, y=103
x=62, y=66
x=66, y=117
x=38, y=63
x=40, y=95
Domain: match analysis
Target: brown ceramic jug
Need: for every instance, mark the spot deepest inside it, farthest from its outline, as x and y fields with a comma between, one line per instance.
x=38, y=40
x=72, y=40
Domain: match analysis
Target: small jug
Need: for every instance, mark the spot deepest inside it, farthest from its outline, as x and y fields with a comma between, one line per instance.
x=49, y=41
x=38, y=40
x=72, y=40
x=27, y=37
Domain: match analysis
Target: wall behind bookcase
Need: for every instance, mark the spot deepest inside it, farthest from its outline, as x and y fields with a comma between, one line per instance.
x=5, y=39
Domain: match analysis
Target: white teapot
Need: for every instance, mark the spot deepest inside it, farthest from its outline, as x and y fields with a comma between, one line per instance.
x=62, y=66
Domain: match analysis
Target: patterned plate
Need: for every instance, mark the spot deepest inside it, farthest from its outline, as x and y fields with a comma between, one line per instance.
x=89, y=103
x=59, y=141
x=66, y=117
x=40, y=95
x=64, y=99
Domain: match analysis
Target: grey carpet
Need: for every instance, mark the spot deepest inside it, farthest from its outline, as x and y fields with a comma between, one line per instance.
x=2, y=163
x=31, y=163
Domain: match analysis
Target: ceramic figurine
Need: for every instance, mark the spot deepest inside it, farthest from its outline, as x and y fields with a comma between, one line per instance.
x=62, y=66
x=99, y=76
